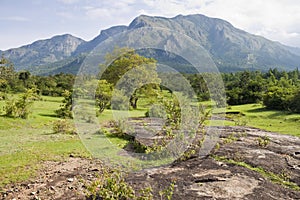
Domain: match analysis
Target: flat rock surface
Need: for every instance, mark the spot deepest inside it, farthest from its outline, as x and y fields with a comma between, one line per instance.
x=201, y=177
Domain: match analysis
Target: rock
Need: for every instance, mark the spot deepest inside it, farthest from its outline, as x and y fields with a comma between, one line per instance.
x=71, y=187
x=52, y=188
x=37, y=198
x=197, y=178
x=95, y=170
x=70, y=179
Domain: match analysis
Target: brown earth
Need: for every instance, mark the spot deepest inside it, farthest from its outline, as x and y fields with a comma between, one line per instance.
x=196, y=178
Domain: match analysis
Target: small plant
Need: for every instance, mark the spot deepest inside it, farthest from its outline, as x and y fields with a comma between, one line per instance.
x=118, y=129
x=168, y=192
x=230, y=139
x=145, y=194
x=217, y=147
x=169, y=133
x=263, y=141
x=112, y=185
x=285, y=175
x=63, y=126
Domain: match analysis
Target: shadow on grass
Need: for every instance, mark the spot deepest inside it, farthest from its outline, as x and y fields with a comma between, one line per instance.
x=258, y=110
x=8, y=117
x=49, y=115
x=278, y=113
x=50, y=133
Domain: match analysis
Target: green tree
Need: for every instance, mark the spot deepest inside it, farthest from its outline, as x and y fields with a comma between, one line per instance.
x=295, y=102
x=65, y=110
x=131, y=71
x=24, y=76
x=7, y=75
x=244, y=87
x=103, y=95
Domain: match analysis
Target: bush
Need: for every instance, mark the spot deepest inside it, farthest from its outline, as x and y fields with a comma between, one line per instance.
x=111, y=185
x=63, y=126
x=65, y=110
x=20, y=108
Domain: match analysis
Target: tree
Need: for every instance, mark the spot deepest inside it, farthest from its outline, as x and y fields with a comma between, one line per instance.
x=103, y=94
x=24, y=76
x=65, y=110
x=7, y=75
x=244, y=87
x=295, y=102
x=132, y=73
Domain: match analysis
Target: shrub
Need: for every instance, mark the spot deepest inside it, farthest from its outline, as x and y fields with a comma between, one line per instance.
x=20, y=108
x=63, y=126
x=111, y=185
x=263, y=141
x=65, y=110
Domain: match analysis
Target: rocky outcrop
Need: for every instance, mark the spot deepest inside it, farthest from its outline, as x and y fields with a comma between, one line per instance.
x=248, y=163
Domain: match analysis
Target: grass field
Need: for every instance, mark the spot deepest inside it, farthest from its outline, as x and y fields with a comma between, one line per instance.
x=271, y=120
x=25, y=143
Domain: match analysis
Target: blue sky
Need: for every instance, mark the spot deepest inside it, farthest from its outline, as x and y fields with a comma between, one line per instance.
x=25, y=21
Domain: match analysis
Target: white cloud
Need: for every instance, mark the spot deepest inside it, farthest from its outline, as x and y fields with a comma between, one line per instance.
x=98, y=13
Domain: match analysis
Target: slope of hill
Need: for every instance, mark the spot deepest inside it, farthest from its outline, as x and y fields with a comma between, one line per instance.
x=232, y=49
x=44, y=52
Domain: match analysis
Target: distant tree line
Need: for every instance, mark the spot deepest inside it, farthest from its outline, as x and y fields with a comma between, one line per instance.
x=12, y=81
x=275, y=89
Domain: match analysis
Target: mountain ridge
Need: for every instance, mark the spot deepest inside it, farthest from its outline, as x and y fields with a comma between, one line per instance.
x=231, y=48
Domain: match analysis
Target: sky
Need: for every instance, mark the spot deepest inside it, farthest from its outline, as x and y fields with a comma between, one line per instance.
x=25, y=21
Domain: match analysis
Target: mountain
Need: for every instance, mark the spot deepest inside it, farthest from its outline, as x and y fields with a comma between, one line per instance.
x=44, y=52
x=231, y=49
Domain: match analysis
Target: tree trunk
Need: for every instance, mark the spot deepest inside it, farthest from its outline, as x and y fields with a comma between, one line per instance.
x=133, y=102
